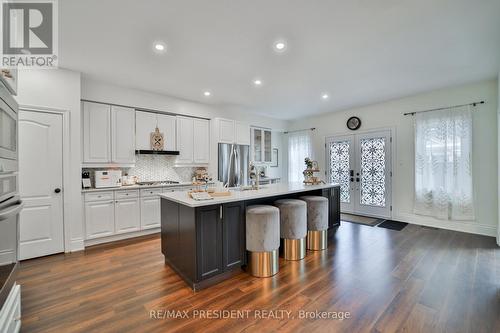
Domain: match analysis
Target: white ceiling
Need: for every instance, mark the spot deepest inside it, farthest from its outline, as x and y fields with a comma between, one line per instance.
x=359, y=51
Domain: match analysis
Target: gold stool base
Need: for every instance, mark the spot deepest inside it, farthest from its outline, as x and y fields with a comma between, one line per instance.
x=263, y=264
x=317, y=240
x=294, y=249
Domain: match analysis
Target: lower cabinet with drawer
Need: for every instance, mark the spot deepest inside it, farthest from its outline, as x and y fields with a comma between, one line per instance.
x=109, y=213
x=127, y=217
x=150, y=208
x=121, y=212
x=99, y=216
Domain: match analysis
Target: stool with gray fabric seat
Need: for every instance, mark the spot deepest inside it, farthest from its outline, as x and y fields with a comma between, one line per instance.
x=293, y=227
x=263, y=240
x=317, y=222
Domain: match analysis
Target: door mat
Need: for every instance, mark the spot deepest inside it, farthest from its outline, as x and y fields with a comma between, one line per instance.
x=393, y=225
x=365, y=220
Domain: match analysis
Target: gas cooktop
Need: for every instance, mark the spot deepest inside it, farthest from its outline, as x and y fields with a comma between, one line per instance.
x=158, y=182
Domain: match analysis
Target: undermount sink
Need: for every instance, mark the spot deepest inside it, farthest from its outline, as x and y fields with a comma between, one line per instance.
x=247, y=188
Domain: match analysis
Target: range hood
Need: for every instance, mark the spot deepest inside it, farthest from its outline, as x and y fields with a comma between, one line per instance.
x=157, y=152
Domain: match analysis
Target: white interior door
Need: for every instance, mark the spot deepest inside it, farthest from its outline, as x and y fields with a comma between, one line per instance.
x=40, y=183
x=361, y=164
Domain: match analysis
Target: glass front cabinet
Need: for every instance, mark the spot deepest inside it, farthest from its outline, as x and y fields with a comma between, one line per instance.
x=261, y=145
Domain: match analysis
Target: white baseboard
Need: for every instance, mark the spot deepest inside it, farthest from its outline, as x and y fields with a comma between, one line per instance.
x=7, y=256
x=114, y=238
x=76, y=245
x=462, y=226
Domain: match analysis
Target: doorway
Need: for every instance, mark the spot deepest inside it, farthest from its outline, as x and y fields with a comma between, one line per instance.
x=362, y=165
x=40, y=183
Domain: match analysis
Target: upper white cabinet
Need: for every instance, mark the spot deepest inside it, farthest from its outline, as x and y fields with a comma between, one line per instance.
x=261, y=146
x=185, y=140
x=96, y=133
x=193, y=141
x=242, y=132
x=201, y=149
x=122, y=135
x=146, y=123
x=108, y=134
x=226, y=131
x=230, y=131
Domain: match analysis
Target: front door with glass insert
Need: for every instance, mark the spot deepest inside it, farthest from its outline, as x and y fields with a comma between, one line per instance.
x=361, y=164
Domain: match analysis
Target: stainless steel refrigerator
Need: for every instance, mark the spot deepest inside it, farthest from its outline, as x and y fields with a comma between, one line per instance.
x=234, y=163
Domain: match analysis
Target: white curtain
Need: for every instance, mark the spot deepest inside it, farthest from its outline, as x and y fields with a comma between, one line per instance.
x=299, y=147
x=443, y=164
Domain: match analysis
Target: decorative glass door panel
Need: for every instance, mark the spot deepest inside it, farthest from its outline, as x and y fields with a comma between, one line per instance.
x=340, y=167
x=372, y=185
x=361, y=164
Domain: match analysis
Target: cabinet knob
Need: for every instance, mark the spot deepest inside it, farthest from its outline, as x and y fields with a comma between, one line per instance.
x=57, y=190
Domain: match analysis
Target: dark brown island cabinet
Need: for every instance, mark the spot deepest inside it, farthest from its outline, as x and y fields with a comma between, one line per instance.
x=206, y=244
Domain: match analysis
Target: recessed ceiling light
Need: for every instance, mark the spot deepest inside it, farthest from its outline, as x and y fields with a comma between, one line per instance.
x=257, y=82
x=160, y=47
x=280, y=46
x=207, y=93
x=325, y=96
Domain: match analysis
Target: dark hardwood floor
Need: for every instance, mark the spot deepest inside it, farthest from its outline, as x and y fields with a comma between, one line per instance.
x=414, y=280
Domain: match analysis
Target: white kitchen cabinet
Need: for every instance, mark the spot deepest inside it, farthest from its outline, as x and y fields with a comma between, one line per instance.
x=146, y=122
x=122, y=135
x=231, y=131
x=185, y=140
x=127, y=218
x=268, y=148
x=96, y=133
x=226, y=130
x=242, y=133
x=150, y=212
x=167, y=126
x=108, y=134
x=201, y=149
x=99, y=218
x=193, y=141
x=261, y=145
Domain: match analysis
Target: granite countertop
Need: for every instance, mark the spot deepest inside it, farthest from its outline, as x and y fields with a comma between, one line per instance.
x=237, y=195
x=135, y=187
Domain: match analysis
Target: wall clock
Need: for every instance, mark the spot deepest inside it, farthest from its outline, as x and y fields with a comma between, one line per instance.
x=353, y=123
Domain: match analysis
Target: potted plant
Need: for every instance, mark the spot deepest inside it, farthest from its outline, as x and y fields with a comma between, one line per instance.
x=308, y=173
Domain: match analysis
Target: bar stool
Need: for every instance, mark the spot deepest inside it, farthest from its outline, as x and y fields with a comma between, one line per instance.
x=263, y=240
x=293, y=227
x=317, y=222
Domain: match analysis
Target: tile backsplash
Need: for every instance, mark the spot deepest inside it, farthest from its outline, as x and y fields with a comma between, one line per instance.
x=154, y=168
x=159, y=167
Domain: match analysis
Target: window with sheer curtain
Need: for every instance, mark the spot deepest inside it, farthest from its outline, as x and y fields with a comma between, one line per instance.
x=443, y=164
x=299, y=147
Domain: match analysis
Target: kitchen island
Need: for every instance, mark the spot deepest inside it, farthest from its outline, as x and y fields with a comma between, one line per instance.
x=204, y=241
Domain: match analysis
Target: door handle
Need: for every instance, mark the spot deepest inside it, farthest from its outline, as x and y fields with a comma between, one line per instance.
x=57, y=190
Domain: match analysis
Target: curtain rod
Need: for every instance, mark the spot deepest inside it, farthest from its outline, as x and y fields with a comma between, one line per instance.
x=300, y=130
x=449, y=107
